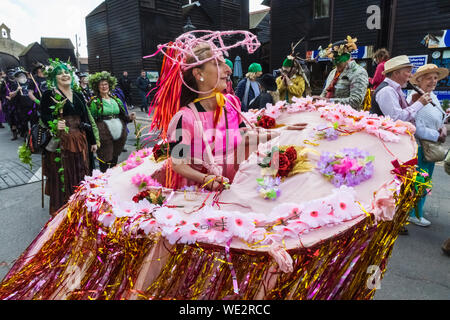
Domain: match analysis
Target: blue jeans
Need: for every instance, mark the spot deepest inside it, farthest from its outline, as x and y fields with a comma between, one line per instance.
x=428, y=166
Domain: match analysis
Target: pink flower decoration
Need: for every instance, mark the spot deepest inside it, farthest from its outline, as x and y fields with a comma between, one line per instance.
x=346, y=165
x=142, y=181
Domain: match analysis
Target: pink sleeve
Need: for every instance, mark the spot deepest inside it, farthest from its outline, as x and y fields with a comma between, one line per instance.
x=378, y=77
x=237, y=103
x=181, y=132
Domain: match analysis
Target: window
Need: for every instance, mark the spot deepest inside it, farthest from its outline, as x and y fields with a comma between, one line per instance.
x=321, y=9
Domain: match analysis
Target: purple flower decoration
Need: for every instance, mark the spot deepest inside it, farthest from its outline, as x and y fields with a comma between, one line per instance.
x=324, y=131
x=348, y=167
x=268, y=187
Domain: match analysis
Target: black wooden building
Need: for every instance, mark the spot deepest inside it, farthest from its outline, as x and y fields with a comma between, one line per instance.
x=398, y=25
x=61, y=48
x=32, y=54
x=121, y=32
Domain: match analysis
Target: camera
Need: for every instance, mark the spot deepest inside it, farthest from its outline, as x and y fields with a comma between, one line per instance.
x=276, y=73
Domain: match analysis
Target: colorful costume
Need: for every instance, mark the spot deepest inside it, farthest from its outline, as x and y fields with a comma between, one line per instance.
x=304, y=217
x=350, y=85
x=8, y=104
x=111, y=118
x=71, y=151
x=191, y=125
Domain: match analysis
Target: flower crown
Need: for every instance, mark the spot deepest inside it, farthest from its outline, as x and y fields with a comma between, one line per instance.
x=339, y=48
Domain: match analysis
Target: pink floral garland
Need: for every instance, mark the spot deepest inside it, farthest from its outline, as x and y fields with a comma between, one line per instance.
x=348, y=119
x=212, y=225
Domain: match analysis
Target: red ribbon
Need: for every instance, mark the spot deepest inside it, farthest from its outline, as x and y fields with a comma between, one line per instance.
x=401, y=169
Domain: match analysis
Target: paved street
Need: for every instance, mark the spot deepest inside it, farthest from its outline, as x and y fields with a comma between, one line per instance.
x=416, y=270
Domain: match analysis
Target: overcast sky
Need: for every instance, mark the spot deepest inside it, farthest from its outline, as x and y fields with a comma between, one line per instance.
x=29, y=20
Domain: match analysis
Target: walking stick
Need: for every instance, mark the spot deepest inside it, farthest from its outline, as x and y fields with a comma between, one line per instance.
x=42, y=181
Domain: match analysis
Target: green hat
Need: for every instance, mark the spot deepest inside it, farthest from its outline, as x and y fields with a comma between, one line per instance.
x=288, y=62
x=229, y=63
x=255, y=67
x=341, y=58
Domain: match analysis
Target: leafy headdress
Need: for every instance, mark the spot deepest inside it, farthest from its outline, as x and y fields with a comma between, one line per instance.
x=54, y=68
x=95, y=79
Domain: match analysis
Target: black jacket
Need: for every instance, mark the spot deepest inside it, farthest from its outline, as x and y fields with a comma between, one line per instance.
x=143, y=84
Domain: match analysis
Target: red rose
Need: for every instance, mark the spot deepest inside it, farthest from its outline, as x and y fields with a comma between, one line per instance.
x=157, y=151
x=285, y=166
x=136, y=199
x=266, y=122
x=270, y=122
x=283, y=173
x=291, y=153
x=284, y=162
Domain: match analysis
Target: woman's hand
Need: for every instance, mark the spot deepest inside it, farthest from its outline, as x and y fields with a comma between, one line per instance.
x=415, y=97
x=425, y=99
x=133, y=116
x=442, y=134
x=94, y=148
x=62, y=125
x=215, y=182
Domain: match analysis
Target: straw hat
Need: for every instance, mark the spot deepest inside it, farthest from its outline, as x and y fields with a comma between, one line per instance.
x=396, y=63
x=429, y=68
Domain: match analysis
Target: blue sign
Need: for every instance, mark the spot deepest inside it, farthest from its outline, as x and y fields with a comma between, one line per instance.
x=360, y=53
x=418, y=61
x=445, y=40
x=442, y=95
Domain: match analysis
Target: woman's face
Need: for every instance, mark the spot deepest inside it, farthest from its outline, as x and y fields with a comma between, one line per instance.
x=64, y=78
x=215, y=74
x=428, y=81
x=103, y=87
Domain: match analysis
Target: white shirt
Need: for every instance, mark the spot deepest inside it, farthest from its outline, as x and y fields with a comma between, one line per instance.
x=429, y=119
x=390, y=101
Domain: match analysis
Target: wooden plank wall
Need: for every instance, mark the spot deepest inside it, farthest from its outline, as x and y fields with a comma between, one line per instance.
x=350, y=18
x=124, y=37
x=290, y=21
x=158, y=26
x=36, y=53
x=97, y=42
x=414, y=20
x=63, y=55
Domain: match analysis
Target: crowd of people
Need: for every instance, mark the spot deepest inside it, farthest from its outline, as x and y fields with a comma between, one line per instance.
x=92, y=123
x=96, y=107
